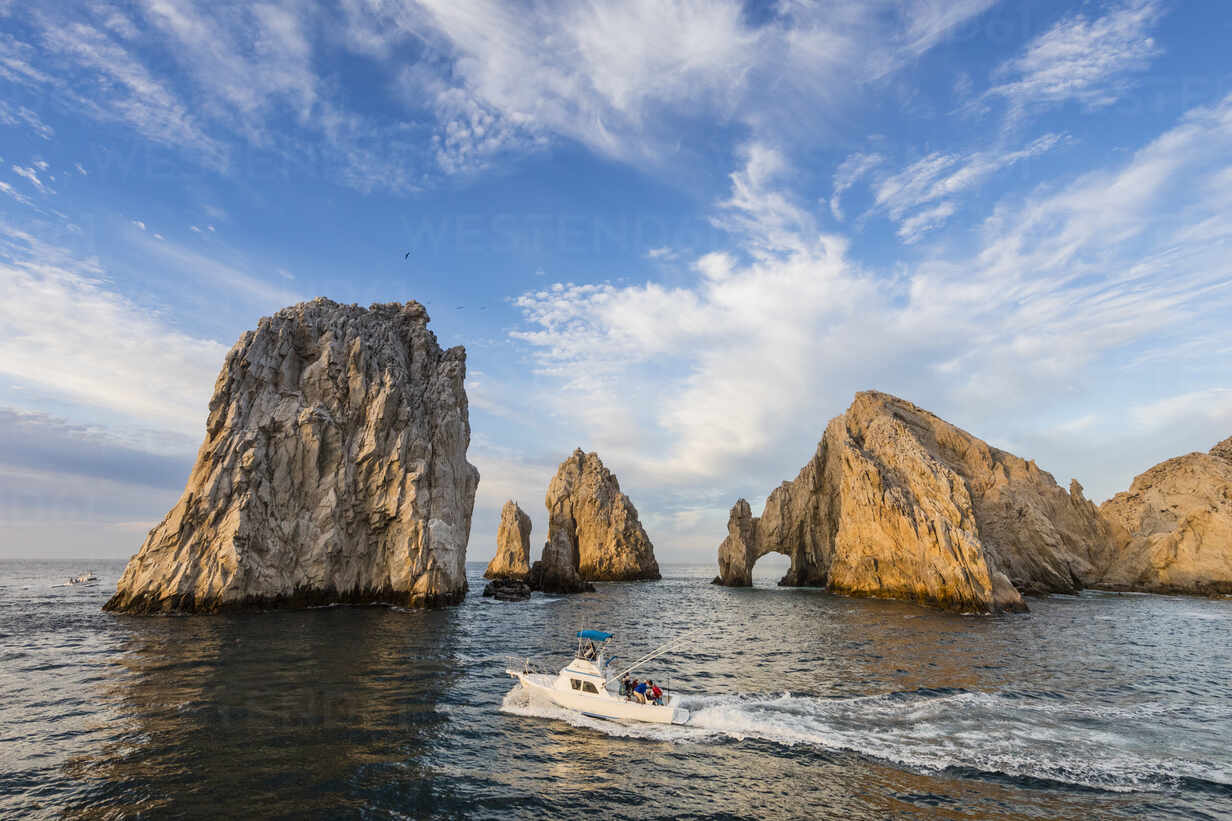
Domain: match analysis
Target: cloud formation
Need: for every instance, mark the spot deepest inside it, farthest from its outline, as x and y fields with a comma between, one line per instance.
x=474, y=81
x=64, y=331
x=1089, y=61
x=736, y=373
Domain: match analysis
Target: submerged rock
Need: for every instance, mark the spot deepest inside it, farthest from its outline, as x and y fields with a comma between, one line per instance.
x=595, y=525
x=1173, y=527
x=333, y=470
x=507, y=590
x=898, y=503
x=512, y=559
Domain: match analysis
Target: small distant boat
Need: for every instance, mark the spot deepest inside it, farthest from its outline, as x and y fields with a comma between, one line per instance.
x=584, y=684
x=84, y=578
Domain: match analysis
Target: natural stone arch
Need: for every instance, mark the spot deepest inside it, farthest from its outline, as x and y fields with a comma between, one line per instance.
x=749, y=538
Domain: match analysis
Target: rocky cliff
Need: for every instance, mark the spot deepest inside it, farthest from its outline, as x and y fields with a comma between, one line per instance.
x=512, y=559
x=590, y=517
x=333, y=470
x=898, y=503
x=1173, y=527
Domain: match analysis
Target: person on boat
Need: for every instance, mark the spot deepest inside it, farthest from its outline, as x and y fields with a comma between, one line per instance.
x=656, y=695
x=626, y=686
x=640, y=692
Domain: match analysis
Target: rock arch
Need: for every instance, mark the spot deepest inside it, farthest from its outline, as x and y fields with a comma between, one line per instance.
x=750, y=537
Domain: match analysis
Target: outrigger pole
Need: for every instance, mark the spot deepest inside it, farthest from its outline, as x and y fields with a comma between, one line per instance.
x=653, y=654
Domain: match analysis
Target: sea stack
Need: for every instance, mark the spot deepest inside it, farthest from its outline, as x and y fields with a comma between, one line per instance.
x=897, y=503
x=587, y=511
x=593, y=530
x=512, y=559
x=333, y=470
x=1173, y=527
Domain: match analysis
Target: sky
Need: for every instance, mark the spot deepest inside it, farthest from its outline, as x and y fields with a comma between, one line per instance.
x=680, y=234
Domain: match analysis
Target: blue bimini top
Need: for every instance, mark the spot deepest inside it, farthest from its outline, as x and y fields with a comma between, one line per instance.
x=597, y=635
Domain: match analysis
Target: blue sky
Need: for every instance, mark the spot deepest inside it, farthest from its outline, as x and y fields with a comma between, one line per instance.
x=681, y=234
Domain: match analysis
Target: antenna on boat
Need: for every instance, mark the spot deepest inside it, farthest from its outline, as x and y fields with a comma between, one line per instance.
x=653, y=654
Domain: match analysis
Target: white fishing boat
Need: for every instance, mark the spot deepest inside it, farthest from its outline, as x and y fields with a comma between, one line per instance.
x=84, y=578
x=585, y=684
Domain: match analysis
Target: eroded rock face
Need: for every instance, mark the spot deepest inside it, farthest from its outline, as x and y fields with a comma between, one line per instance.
x=898, y=503
x=512, y=559
x=1223, y=450
x=556, y=571
x=333, y=470
x=595, y=526
x=1173, y=527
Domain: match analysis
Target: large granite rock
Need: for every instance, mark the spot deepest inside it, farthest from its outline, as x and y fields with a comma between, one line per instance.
x=898, y=503
x=512, y=559
x=595, y=525
x=556, y=571
x=1173, y=527
x=333, y=470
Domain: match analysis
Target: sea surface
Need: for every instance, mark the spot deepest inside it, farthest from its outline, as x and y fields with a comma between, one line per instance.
x=805, y=705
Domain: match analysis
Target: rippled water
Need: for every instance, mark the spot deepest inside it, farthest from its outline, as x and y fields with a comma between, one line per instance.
x=805, y=705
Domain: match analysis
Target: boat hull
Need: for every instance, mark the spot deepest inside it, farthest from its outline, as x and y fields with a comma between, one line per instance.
x=604, y=705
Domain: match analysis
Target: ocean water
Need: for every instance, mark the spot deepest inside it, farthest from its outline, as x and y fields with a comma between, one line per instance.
x=805, y=705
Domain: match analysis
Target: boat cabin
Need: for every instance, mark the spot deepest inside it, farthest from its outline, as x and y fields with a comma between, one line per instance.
x=586, y=673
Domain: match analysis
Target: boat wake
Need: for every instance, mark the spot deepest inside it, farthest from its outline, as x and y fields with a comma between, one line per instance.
x=1023, y=737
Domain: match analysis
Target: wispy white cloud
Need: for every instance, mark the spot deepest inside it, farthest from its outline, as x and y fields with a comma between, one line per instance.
x=1210, y=404
x=139, y=224
x=913, y=228
x=31, y=175
x=22, y=116
x=849, y=172
x=943, y=176
x=760, y=207
x=1086, y=60
x=215, y=274
x=97, y=75
x=621, y=78
x=248, y=61
x=67, y=333
x=16, y=195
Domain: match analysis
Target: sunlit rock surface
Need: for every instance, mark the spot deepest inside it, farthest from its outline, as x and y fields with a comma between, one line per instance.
x=512, y=559
x=333, y=470
x=593, y=531
x=1173, y=527
x=898, y=503
x=588, y=513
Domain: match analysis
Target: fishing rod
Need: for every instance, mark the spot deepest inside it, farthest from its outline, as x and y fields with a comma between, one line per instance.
x=653, y=654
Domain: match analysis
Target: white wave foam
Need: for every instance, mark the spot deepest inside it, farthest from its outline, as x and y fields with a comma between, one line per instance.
x=985, y=732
